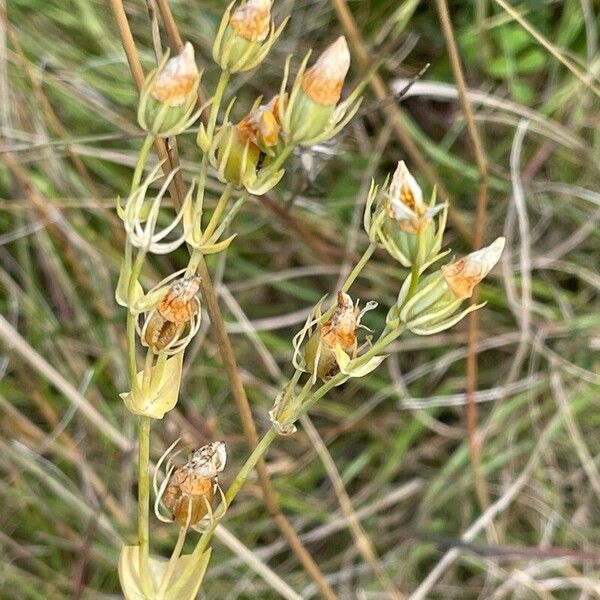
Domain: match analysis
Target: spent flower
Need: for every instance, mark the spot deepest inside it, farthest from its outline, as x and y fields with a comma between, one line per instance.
x=245, y=36
x=187, y=493
x=166, y=323
x=334, y=343
x=169, y=95
x=403, y=222
x=437, y=297
x=313, y=114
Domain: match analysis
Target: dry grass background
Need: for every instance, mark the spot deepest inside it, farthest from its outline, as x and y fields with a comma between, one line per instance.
x=385, y=460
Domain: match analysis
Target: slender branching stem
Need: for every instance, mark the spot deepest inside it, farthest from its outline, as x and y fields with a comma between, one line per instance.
x=164, y=584
x=360, y=265
x=144, y=498
x=216, y=103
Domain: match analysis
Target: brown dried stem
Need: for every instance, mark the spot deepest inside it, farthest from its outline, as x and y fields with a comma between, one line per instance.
x=473, y=334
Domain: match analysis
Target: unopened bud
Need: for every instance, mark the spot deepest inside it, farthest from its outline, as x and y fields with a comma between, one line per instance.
x=434, y=305
x=312, y=108
x=166, y=323
x=236, y=155
x=252, y=20
x=168, y=98
x=178, y=79
x=191, y=488
x=245, y=36
x=464, y=274
x=324, y=81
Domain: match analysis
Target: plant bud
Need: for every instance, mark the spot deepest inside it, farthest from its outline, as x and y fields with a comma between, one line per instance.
x=177, y=80
x=168, y=97
x=245, y=36
x=166, y=323
x=236, y=155
x=464, y=274
x=191, y=488
x=252, y=20
x=433, y=307
x=324, y=81
x=320, y=90
x=339, y=331
x=262, y=126
x=404, y=222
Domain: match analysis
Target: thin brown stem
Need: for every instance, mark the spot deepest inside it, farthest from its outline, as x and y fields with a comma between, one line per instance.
x=223, y=342
x=395, y=114
x=473, y=333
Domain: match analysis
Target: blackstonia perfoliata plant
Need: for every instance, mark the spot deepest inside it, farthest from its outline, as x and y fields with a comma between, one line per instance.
x=249, y=157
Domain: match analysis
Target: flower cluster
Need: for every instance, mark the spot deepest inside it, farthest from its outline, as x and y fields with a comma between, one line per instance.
x=248, y=156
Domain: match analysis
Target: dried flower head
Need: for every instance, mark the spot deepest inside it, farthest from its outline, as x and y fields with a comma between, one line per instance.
x=262, y=126
x=252, y=20
x=178, y=305
x=323, y=82
x=166, y=323
x=340, y=330
x=191, y=488
x=178, y=79
x=464, y=274
x=405, y=202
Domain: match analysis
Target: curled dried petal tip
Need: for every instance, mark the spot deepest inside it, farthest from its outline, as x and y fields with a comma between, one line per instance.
x=177, y=79
x=341, y=328
x=323, y=82
x=464, y=274
x=252, y=20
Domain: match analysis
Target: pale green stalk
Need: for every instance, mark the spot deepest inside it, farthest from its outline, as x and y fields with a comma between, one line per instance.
x=144, y=499
x=164, y=585
x=216, y=103
x=360, y=265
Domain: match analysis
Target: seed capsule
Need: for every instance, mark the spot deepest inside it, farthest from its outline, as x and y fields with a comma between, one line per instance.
x=160, y=333
x=191, y=488
x=339, y=331
x=178, y=305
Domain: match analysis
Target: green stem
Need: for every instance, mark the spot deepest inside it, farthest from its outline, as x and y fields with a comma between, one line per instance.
x=131, y=333
x=141, y=162
x=270, y=436
x=360, y=265
x=415, y=271
x=281, y=158
x=144, y=500
x=218, y=212
x=414, y=280
x=164, y=584
x=146, y=377
x=216, y=103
